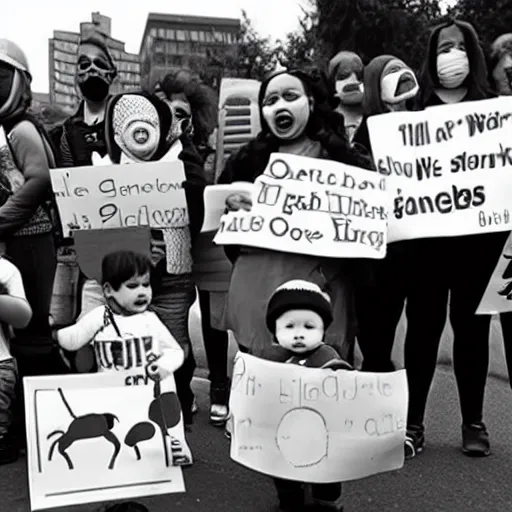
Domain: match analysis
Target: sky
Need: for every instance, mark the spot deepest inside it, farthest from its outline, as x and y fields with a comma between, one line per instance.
x=31, y=23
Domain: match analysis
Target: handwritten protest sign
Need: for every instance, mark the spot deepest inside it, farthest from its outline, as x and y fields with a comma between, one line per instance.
x=315, y=425
x=448, y=167
x=117, y=196
x=311, y=206
x=498, y=294
x=93, y=438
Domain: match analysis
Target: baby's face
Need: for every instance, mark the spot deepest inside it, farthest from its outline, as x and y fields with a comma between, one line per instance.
x=300, y=330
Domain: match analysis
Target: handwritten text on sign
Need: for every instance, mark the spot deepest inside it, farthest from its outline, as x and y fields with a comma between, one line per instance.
x=316, y=425
x=117, y=196
x=449, y=168
x=311, y=206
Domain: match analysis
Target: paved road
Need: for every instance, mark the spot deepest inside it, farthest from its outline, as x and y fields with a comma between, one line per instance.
x=440, y=480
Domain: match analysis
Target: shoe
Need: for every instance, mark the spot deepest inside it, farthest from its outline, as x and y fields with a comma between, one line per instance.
x=475, y=440
x=9, y=451
x=414, y=441
x=228, y=427
x=219, y=399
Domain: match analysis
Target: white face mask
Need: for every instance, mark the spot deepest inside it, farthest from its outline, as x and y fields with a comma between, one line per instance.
x=287, y=118
x=350, y=90
x=398, y=86
x=452, y=68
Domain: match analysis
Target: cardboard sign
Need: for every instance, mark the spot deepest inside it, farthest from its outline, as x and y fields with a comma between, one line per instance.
x=312, y=206
x=498, y=294
x=448, y=168
x=117, y=196
x=315, y=425
x=96, y=437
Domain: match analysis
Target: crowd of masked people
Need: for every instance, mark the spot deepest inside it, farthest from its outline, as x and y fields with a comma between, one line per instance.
x=309, y=112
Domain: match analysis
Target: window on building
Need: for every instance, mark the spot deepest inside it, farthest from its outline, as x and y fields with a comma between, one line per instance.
x=201, y=36
x=172, y=47
x=209, y=37
x=159, y=47
x=153, y=32
x=171, y=34
x=159, y=59
x=194, y=36
x=180, y=35
x=161, y=33
x=176, y=60
x=218, y=37
x=184, y=48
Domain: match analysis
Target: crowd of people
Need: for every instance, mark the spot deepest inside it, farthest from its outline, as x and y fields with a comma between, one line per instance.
x=309, y=112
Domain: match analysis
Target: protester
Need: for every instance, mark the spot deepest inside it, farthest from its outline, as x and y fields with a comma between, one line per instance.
x=454, y=71
x=26, y=226
x=194, y=107
x=346, y=73
x=171, y=248
x=383, y=285
x=312, y=129
x=298, y=314
x=125, y=318
x=14, y=312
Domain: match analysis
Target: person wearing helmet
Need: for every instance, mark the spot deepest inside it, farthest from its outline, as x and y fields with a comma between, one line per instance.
x=26, y=228
x=83, y=133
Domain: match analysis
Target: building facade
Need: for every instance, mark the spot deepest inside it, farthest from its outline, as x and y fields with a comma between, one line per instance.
x=197, y=43
x=63, y=48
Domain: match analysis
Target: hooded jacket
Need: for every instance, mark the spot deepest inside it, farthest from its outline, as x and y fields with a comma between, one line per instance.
x=477, y=81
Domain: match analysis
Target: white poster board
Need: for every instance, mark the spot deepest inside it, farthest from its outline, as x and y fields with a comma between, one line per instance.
x=116, y=196
x=312, y=206
x=74, y=424
x=314, y=425
x=449, y=168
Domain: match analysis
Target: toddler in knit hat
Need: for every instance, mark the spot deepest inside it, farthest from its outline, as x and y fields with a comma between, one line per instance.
x=298, y=314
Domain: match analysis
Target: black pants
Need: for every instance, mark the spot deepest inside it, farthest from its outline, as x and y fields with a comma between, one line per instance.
x=506, y=327
x=468, y=264
x=215, y=345
x=291, y=494
x=183, y=377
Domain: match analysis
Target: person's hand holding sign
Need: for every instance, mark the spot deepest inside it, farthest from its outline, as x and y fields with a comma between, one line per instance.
x=239, y=201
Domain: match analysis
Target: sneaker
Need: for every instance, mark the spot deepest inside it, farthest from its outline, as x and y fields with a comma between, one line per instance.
x=9, y=451
x=414, y=441
x=475, y=440
x=219, y=399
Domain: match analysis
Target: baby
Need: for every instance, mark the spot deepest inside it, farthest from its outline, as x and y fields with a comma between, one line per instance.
x=298, y=315
x=124, y=334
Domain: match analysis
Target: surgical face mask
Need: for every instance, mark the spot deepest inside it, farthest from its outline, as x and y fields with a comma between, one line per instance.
x=286, y=108
x=398, y=86
x=350, y=90
x=452, y=68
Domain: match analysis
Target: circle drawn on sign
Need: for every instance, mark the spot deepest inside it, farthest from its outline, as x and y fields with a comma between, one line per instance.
x=302, y=437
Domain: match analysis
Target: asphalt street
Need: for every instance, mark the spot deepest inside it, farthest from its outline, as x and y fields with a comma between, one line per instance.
x=441, y=479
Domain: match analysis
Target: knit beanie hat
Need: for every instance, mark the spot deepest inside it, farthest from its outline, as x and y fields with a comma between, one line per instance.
x=298, y=294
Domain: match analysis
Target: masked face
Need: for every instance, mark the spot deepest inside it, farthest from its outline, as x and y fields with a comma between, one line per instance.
x=300, y=330
x=349, y=80
x=286, y=108
x=452, y=59
x=94, y=73
x=181, y=117
x=397, y=83
x=136, y=127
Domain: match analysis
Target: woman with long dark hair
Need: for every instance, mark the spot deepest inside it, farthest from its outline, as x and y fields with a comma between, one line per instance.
x=454, y=71
x=315, y=131
x=194, y=107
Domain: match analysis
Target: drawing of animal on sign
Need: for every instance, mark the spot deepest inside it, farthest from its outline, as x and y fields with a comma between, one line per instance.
x=95, y=437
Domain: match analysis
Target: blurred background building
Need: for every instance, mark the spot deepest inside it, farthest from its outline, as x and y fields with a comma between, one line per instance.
x=63, y=49
x=200, y=44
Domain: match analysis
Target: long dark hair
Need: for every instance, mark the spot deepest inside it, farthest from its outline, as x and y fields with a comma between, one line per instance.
x=325, y=125
x=202, y=99
x=477, y=81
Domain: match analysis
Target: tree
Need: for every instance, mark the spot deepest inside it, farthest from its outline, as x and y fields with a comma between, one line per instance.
x=375, y=27
x=491, y=18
